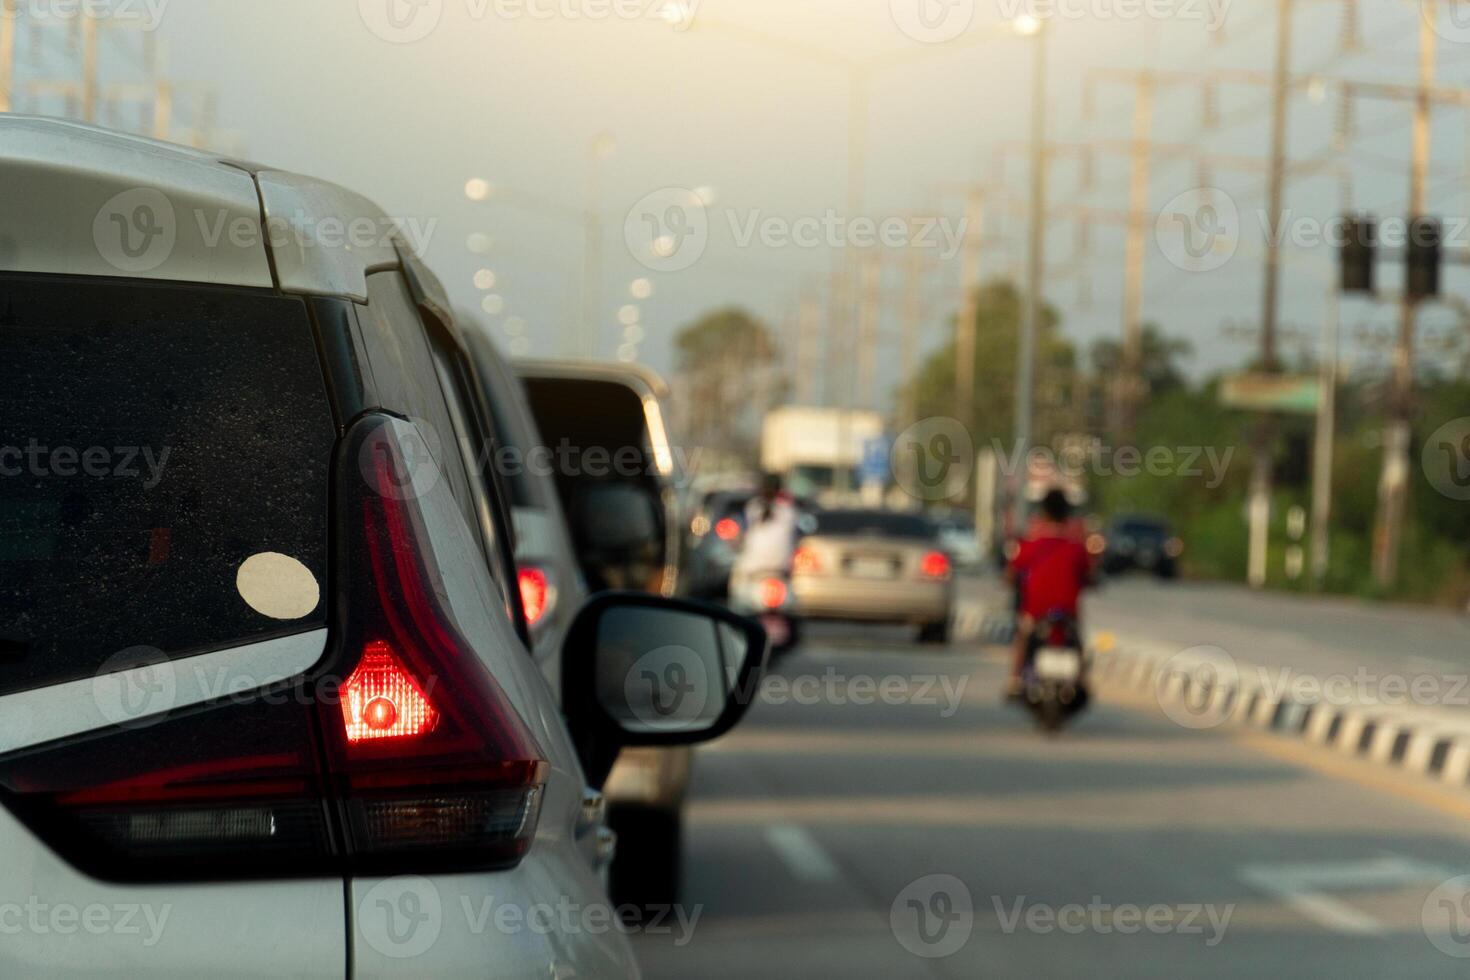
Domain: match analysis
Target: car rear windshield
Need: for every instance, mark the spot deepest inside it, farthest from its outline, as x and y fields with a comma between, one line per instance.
x=152, y=439
x=874, y=523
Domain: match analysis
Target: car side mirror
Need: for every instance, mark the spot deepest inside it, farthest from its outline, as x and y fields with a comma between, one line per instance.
x=639, y=669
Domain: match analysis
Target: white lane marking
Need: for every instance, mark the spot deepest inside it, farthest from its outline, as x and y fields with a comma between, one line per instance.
x=1302, y=886
x=802, y=855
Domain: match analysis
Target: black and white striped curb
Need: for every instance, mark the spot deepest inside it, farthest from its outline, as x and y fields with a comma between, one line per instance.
x=980, y=623
x=1198, y=694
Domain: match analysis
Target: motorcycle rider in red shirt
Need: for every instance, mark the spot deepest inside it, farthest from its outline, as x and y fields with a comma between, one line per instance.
x=1050, y=569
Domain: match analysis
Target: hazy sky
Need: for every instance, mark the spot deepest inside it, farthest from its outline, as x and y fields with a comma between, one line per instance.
x=750, y=100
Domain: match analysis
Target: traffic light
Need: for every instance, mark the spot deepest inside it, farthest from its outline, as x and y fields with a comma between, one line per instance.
x=1357, y=255
x=1422, y=275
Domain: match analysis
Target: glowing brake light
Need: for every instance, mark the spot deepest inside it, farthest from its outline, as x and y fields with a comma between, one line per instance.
x=772, y=593
x=805, y=560
x=381, y=700
x=727, y=529
x=535, y=593
x=934, y=564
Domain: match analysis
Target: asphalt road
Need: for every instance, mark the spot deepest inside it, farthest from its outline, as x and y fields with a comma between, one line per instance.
x=1307, y=634
x=881, y=814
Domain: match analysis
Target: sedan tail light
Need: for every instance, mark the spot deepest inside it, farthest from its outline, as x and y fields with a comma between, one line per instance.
x=934, y=564
x=806, y=560
x=401, y=752
x=727, y=529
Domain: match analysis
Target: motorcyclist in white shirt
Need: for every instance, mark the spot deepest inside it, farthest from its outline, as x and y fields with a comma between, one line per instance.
x=770, y=535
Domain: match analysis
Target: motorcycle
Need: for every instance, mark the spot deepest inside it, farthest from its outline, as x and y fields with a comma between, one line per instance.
x=767, y=598
x=1054, y=686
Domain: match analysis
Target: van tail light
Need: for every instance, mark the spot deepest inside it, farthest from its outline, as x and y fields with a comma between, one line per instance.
x=806, y=560
x=934, y=564
x=772, y=593
x=537, y=595
x=400, y=752
x=727, y=529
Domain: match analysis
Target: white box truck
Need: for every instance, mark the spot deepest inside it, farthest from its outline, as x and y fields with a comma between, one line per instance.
x=819, y=451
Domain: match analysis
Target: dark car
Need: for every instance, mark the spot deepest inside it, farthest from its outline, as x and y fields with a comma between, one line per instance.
x=715, y=531
x=1141, y=542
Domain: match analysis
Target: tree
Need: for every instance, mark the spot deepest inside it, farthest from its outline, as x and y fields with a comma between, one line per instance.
x=997, y=319
x=1159, y=357
x=727, y=363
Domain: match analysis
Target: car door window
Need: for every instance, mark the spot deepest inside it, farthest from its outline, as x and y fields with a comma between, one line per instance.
x=467, y=415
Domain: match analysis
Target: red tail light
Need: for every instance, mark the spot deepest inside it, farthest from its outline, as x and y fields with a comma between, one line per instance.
x=806, y=560
x=466, y=786
x=772, y=593
x=535, y=593
x=380, y=699
x=401, y=752
x=934, y=564
x=727, y=529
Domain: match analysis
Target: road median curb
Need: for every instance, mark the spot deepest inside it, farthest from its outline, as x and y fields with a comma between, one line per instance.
x=1386, y=735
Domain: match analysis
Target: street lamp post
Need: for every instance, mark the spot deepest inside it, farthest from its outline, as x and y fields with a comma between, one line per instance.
x=585, y=342
x=1035, y=259
x=860, y=73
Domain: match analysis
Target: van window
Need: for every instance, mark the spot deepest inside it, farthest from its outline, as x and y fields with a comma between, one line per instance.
x=152, y=439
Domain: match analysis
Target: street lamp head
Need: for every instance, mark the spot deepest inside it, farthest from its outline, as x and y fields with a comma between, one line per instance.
x=1027, y=25
x=603, y=145
x=677, y=14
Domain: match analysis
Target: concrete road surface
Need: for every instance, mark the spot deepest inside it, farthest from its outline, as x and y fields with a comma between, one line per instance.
x=881, y=814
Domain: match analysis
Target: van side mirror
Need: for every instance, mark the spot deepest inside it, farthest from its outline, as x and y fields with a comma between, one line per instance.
x=639, y=669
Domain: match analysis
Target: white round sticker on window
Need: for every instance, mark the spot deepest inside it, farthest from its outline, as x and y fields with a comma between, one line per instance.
x=277, y=586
